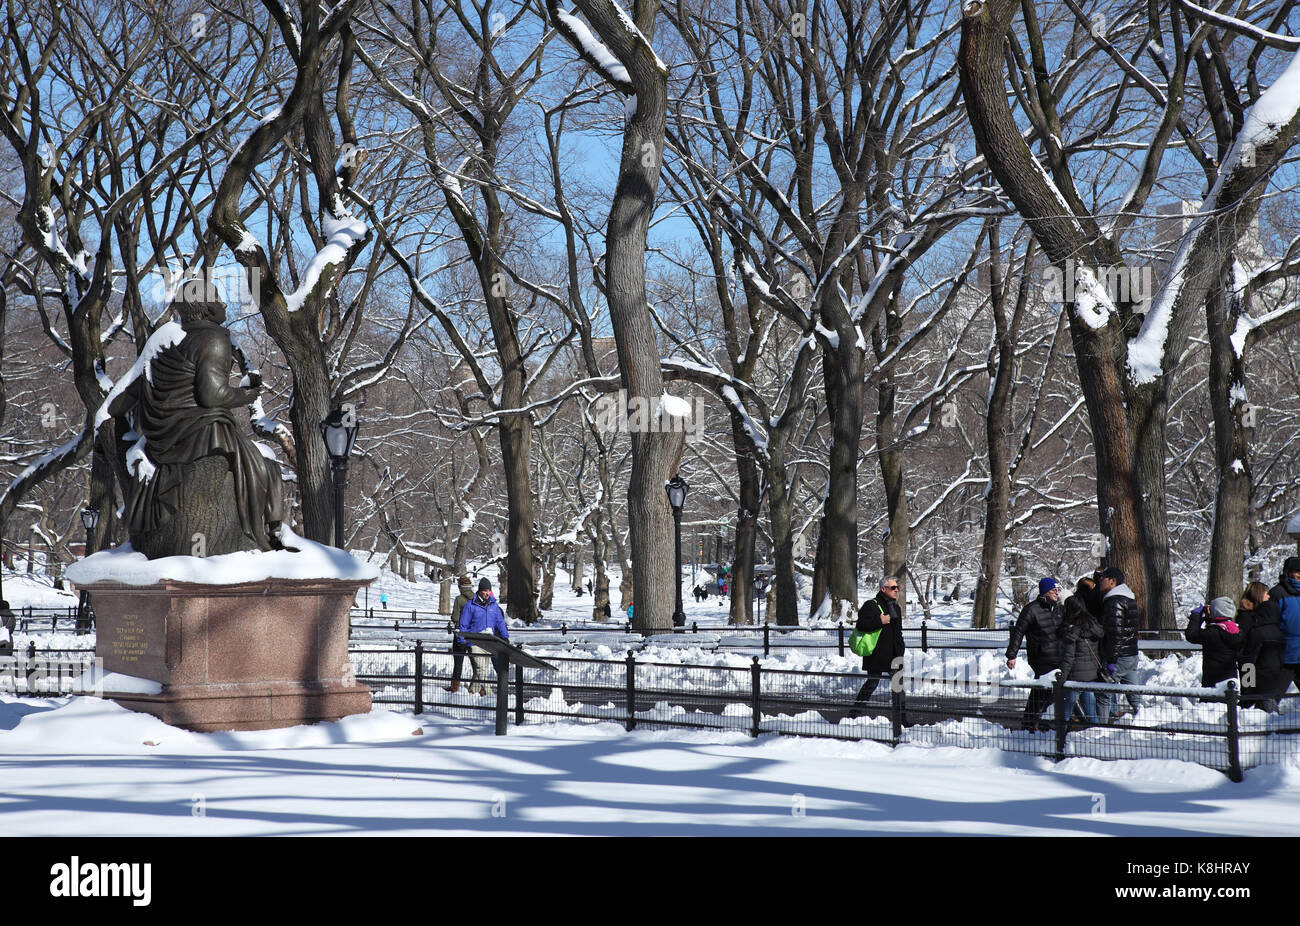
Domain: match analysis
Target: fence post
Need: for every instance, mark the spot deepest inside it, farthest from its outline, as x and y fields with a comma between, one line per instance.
x=1234, y=739
x=695, y=626
x=54, y=621
x=631, y=690
x=1058, y=709
x=767, y=640
x=756, y=697
x=519, y=695
x=840, y=628
x=925, y=636
x=564, y=630
x=419, y=676
x=896, y=705
x=370, y=613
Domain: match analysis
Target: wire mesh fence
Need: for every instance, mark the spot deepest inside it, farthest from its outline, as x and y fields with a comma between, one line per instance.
x=1212, y=727
x=1057, y=721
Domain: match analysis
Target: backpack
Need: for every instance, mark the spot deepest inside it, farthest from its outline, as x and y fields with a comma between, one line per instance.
x=864, y=643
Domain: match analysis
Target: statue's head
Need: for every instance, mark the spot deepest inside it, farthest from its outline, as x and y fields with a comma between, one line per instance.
x=201, y=310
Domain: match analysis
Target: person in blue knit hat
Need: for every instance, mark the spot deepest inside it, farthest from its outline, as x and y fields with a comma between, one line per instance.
x=1039, y=627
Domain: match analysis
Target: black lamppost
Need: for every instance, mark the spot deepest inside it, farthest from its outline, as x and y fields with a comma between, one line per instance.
x=676, y=489
x=339, y=431
x=760, y=592
x=90, y=520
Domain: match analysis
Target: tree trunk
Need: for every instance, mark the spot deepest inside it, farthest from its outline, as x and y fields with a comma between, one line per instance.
x=1231, y=452
x=1148, y=408
x=548, y=582
x=843, y=383
x=742, y=569
x=655, y=453
x=576, y=575
x=821, y=603
x=784, y=589
x=1001, y=367
x=898, y=533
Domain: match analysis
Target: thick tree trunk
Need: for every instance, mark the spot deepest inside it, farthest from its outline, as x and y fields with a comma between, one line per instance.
x=843, y=383
x=655, y=453
x=516, y=434
x=1066, y=239
x=821, y=603
x=1231, y=451
x=1148, y=408
x=786, y=604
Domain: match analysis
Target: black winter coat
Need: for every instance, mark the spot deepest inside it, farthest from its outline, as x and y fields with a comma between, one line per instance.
x=890, y=644
x=9, y=623
x=1122, y=619
x=1263, y=646
x=1040, y=627
x=1081, y=643
x=1219, y=648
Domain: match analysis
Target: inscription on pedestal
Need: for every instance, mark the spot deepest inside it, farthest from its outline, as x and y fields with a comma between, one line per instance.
x=129, y=643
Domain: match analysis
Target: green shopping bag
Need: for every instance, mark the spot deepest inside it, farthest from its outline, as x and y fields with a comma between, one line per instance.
x=864, y=644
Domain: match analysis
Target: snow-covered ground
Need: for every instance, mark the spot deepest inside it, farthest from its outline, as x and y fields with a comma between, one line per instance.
x=83, y=766
x=36, y=590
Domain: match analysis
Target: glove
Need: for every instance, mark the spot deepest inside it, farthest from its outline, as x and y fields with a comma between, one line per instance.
x=1111, y=668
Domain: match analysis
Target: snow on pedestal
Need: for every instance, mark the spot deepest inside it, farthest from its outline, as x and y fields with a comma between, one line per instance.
x=305, y=559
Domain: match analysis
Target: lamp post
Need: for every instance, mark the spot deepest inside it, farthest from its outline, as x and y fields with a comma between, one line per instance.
x=90, y=520
x=339, y=431
x=760, y=592
x=676, y=489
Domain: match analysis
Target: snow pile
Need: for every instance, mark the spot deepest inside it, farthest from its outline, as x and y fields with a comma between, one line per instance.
x=97, y=680
x=304, y=559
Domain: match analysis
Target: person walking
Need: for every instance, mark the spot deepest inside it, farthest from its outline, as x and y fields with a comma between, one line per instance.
x=8, y=624
x=882, y=613
x=1120, y=618
x=1287, y=596
x=1262, y=651
x=479, y=615
x=1039, y=626
x=1081, y=636
x=464, y=592
x=1216, y=630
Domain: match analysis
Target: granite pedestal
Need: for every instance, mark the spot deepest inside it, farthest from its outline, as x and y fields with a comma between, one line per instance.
x=251, y=656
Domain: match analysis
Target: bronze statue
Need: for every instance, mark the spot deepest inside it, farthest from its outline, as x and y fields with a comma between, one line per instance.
x=211, y=491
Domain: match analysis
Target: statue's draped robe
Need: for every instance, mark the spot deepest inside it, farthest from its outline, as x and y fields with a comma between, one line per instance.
x=184, y=411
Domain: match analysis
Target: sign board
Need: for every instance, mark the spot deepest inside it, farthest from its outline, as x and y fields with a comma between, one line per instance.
x=496, y=646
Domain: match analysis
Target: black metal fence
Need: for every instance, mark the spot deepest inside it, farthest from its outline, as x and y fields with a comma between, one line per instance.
x=768, y=637
x=1205, y=726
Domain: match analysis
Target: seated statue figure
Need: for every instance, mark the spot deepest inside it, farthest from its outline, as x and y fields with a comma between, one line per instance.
x=202, y=488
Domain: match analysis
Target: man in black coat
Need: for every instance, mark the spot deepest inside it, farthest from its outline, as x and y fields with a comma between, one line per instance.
x=1039, y=625
x=882, y=613
x=1122, y=619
